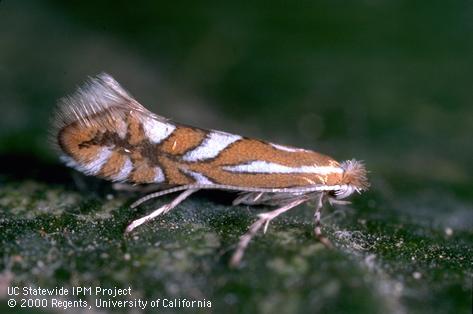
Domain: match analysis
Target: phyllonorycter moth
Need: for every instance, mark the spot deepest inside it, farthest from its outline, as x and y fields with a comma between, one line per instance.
x=101, y=130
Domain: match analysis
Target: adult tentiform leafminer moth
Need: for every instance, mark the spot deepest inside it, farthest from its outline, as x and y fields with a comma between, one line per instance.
x=101, y=130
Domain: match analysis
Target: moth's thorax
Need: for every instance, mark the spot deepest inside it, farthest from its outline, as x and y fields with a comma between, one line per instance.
x=117, y=139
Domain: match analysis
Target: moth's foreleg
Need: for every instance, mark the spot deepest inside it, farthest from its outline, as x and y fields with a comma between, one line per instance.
x=317, y=223
x=162, y=210
x=263, y=219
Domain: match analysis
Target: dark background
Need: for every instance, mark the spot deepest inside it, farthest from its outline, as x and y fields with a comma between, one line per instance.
x=387, y=82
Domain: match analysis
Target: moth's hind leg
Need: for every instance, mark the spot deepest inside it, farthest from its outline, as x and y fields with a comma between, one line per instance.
x=317, y=224
x=162, y=210
x=263, y=219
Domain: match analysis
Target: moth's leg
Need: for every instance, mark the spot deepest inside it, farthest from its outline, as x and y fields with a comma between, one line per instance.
x=263, y=219
x=248, y=198
x=162, y=210
x=317, y=223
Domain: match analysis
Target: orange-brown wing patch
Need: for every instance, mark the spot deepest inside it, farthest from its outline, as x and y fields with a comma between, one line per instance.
x=113, y=166
x=72, y=138
x=136, y=134
x=172, y=173
x=142, y=172
x=81, y=139
x=182, y=140
x=249, y=150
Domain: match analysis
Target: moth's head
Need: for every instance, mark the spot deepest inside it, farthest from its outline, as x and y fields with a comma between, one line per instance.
x=354, y=179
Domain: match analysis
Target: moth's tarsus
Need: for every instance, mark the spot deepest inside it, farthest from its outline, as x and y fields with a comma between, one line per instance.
x=263, y=219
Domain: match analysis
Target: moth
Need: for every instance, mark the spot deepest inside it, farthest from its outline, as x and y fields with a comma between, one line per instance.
x=102, y=131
